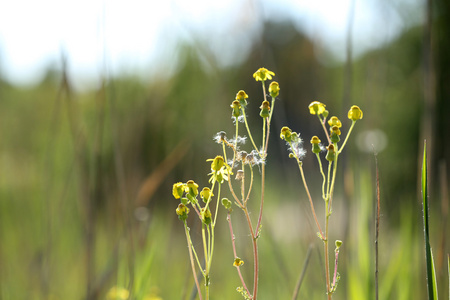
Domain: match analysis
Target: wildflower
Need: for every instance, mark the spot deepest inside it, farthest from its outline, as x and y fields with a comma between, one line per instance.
x=331, y=154
x=285, y=134
x=220, y=137
x=220, y=169
x=118, y=293
x=192, y=188
x=335, y=133
x=226, y=203
x=240, y=97
x=206, y=215
x=263, y=74
x=274, y=89
x=296, y=147
x=315, y=142
x=206, y=194
x=238, y=262
x=334, y=121
x=236, y=108
x=355, y=113
x=182, y=211
x=178, y=190
x=316, y=108
x=265, y=109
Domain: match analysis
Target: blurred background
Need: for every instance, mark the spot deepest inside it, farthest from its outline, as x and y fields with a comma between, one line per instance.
x=105, y=104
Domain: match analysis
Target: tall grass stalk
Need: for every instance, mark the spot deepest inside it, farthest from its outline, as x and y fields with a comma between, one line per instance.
x=431, y=274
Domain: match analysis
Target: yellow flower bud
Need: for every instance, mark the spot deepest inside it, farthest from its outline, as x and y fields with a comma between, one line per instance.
x=355, y=113
x=182, y=211
x=192, y=188
x=206, y=215
x=274, y=89
x=316, y=108
x=263, y=74
x=334, y=121
x=315, y=141
x=238, y=262
x=241, y=95
x=206, y=194
x=286, y=134
x=265, y=109
x=178, y=190
x=331, y=154
x=217, y=163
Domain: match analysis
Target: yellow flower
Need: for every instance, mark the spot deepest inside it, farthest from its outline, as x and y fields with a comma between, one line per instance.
x=220, y=169
x=192, y=188
x=217, y=163
x=334, y=121
x=206, y=194
x=331, y=154
x=241, y=95
x=238, y=262
x=178, y=190
x=206, y=215
x=286, y=133
x=265, y=109
x=335, y=129
x=274, y=89
x=263, y=74
x=315, y=141
x=355, y=113
x=117, y=293
x=182, y=209
x=316, y=108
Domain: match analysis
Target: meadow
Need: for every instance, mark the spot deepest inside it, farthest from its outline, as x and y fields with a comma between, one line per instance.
x=86, y=204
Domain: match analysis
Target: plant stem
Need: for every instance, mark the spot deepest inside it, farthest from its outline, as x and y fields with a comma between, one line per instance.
x=346, y=138
x=325, y=243
x=186, y=229
x=310, y=201
x=233, y=243
x=248, y=130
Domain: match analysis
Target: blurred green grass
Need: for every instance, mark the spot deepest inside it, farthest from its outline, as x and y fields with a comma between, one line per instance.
x=78, y=217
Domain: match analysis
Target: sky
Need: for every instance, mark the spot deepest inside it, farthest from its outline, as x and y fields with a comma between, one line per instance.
x=137, y=36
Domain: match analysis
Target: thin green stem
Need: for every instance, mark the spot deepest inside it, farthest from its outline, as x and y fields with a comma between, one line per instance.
x=323, y=176
x=322, y=122
x=325, y=242
x=334, y=178
x=346, y=138
x=192, y=260
x=271, y=109
x=310, y=200
x=248, y=130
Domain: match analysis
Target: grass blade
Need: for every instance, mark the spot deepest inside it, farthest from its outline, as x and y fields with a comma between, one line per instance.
x=431, y=279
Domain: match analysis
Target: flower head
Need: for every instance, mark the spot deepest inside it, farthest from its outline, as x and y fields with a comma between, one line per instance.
x=182, y=211
x=206, y=194
x=331, y=154
x=206, y=215
x=265, y=109
x=240, y=97
x=315, y=142
x=285, y=134
x=238, y=262
x=355, y=113
x=274, y=89
x=178, y=190
x=191, y=188
x=219, y=169
x=334, y=121
x=316, y=108
x=263, y=74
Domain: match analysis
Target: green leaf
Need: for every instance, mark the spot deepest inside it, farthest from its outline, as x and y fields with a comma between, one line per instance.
x=431, y=278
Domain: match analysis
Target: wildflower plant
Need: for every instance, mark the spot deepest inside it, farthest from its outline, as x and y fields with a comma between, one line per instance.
x=333, y=150
x=221, y=171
